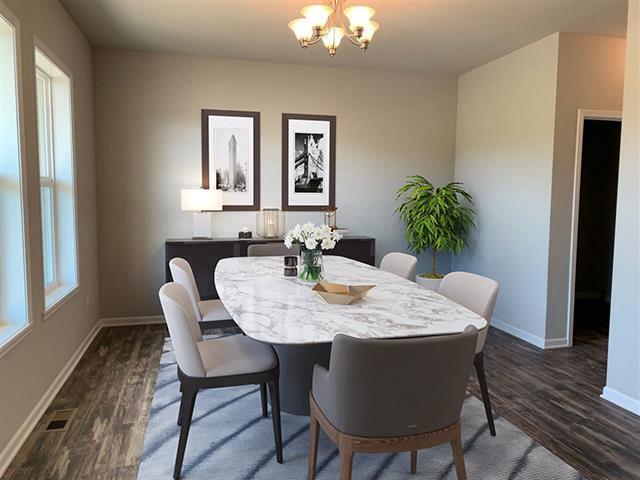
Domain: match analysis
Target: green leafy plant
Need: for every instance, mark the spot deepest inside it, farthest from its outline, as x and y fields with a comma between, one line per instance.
x=436, y=218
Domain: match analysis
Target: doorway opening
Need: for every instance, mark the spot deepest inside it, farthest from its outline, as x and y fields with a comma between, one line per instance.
x=594, y=214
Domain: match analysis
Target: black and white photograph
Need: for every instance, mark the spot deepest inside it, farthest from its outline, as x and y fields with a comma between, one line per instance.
x=308, y=161
x=231, y=157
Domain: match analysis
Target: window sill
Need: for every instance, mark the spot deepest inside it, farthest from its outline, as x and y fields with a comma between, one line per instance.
x=11, y=335
x=57, y=297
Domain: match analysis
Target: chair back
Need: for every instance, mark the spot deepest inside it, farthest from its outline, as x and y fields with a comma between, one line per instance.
x=275, y=249
x=183, y=328
x=183, y=274
x=401, y=264
x=475, y=292
x=391, y=388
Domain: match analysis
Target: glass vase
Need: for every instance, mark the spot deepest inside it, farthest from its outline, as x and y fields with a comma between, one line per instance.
x=310, y=268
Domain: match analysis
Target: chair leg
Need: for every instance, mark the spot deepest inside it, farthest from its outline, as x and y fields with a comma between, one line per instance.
x=189, y=399
x=263, y=399
x=181, y=408
x=458, y=457
x=414, y=461
x=274, y=390
x=478, y=361
x=346, y=464
x=313, y=446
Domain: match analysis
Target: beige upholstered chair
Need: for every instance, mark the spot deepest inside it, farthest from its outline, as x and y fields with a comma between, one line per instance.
x=412, y=402
x=210, y=311
x=479, y=295
x=275, y=249
x=221, y=362
x=401, y=264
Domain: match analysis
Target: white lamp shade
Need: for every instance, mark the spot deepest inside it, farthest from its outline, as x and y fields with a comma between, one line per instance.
x=200, y=199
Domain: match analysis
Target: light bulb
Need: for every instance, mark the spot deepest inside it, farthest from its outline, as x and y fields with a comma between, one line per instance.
x=332, y=39
x=359, y=17
x=317, y=15
x=301, y=28
x=369, y=30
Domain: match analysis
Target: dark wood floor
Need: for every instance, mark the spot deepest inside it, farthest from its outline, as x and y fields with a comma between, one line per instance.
x=552, y=395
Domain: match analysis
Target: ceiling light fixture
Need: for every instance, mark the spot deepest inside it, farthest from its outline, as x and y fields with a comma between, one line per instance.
x=326, y=22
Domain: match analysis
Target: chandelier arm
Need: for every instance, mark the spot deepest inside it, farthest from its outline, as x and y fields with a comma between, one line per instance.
x=355, y=42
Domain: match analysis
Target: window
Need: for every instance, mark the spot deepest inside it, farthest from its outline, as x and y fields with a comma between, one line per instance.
x=57, y=195
x=13, y=279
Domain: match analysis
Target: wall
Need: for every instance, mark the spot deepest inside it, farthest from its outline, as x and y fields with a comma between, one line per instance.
x=590, y=76
x=504, y=155
x=30, y=367
x=389, y=125
x=623, y=369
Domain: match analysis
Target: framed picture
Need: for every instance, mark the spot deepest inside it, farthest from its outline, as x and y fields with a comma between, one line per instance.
x=308, y=161
x=231, y=157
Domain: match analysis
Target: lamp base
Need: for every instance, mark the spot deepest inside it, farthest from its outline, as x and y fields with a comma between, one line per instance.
x=201, y=225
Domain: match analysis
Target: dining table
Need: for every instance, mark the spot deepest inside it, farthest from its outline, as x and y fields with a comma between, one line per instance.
x=289, y=315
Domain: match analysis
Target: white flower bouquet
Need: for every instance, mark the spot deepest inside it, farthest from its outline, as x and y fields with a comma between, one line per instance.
x=312, y=239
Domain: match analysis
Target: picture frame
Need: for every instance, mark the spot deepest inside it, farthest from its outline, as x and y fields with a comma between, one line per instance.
x=231, y=157
x=308, y=162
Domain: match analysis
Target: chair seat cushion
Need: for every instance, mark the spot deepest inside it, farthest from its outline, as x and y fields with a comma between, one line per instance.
x=236, y=355
x=212, y=310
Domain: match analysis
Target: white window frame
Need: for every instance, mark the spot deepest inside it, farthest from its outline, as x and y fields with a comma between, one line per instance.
x=12, y=334
x=62, y=290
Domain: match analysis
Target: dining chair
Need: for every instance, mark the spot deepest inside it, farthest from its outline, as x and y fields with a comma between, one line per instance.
x=478, y=294
x=401, y=264
x=271, y=250
x=412, y=402
x=210, y=311
x=221, y=362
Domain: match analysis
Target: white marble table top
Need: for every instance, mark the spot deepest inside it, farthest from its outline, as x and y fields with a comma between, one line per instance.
x=272, y=308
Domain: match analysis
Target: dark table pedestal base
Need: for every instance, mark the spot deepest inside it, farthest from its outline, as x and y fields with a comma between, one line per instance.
x=296, y=374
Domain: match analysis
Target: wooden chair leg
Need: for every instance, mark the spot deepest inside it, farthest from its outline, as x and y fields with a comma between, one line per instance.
x=274, y=390
x=414, y=461
x=180, y=409
x=458, y=457
x=189, y=399
x=263, y=399
x=346, y=463
x=478, y=361
x=313, y=446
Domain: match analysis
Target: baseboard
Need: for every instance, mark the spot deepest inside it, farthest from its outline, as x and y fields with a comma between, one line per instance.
x=21, y=435
x=546, y=343
x=124, y=321
x=621, y=399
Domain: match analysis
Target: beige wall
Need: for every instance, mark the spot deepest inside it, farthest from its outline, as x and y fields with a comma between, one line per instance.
x=389, y=125
x=590, y=76
x=623, y=369
x=504, y=154
x=30, y=367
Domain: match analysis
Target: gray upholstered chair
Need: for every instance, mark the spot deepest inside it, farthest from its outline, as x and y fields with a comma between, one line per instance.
x=413, y=401
x=210, y=312
x=222, y=362
x=479, y=295
x=276, y=249
x=401, y=264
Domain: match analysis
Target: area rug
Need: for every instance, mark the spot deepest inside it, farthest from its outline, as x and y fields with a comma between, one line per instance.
x=230, y=440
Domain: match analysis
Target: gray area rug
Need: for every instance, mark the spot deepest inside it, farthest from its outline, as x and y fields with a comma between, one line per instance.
x=229, y=440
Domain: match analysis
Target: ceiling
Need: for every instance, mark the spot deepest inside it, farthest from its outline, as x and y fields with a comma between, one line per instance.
x=436, y=36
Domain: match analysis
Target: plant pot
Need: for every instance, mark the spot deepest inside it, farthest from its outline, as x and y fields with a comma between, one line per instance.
x=428, y=283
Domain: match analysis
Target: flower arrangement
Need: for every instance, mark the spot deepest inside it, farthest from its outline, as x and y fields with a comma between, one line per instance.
x=312, y=239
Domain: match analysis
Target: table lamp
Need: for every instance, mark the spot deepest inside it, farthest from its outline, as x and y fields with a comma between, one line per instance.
x=201, y=201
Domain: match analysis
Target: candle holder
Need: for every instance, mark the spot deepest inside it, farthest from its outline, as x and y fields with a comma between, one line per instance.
x=270, y=223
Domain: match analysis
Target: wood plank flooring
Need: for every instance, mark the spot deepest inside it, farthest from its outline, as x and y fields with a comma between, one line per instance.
x=551, y=395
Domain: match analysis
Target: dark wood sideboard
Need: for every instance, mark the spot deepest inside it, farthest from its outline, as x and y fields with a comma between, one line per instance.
x=204, y=254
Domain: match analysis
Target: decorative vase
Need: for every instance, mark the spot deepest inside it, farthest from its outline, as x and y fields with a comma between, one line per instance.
x=310, y=268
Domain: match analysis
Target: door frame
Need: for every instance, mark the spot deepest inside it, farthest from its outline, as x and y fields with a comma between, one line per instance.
x=583, y=114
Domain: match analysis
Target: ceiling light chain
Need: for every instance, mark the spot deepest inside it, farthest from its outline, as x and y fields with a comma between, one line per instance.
x=326, y=22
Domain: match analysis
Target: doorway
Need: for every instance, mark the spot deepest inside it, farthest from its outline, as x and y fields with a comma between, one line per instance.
x=594, y=213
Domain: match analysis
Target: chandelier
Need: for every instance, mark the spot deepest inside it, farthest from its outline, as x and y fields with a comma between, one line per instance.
x=326, y=22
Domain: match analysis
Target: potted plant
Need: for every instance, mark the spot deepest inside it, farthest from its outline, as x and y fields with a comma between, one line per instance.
x=436, y=220
x=312, y=239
